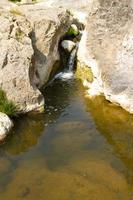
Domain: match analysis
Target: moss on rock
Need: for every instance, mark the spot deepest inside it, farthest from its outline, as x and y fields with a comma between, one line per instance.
x=73, y=30
x=16, y=12
x=84, y=72
x=15, y=1
x=19, y=35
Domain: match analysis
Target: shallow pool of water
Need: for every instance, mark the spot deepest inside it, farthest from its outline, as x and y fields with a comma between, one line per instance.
x=79, y=149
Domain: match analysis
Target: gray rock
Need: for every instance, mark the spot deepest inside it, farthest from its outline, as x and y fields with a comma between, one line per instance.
x=68, y=45
x=5, y=125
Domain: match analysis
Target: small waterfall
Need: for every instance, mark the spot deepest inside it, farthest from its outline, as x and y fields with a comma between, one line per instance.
x=68, y=73
x=71, y=60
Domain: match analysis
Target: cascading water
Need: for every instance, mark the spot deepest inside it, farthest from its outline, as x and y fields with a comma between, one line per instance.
x=68, y=73
x=71, y=60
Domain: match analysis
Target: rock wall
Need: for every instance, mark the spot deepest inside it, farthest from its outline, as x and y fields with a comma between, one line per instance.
x=16, y=54
x=29, y=38
x=108, y=43
x=49, y=25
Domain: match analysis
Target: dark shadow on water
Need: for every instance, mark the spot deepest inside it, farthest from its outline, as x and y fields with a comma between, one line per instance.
x=78, y=146
x=25, y=134
x=29, y=128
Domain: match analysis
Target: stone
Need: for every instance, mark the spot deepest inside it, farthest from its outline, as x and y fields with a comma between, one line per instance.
x=29, y=52
x=49, y=26
x=16, y=54
x=68, y=45
x=5, y=125
x=108, y=49
x=29, y=38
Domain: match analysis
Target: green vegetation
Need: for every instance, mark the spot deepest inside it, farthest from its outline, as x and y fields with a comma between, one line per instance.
x=73, y=31
x=16, y=12
x=7, y=106
x=19, y=35
x=20, y=1
x=15, y=1
x=84, y=72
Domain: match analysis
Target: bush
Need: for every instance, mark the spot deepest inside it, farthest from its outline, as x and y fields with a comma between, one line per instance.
x=7, y=106
x=19, y=1
x=15, y=0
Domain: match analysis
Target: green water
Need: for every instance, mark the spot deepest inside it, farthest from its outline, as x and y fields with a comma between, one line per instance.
x=80, y=149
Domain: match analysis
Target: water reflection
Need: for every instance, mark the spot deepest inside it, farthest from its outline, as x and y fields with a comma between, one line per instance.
x=79, y=149
x=29, y=128
x=26, y=132
x=117, y=127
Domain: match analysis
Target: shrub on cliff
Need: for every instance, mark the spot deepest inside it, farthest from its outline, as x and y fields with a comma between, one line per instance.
x=7, y=106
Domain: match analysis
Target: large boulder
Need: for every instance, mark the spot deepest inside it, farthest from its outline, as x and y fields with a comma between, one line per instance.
x=29, y=38
x=5, y=125
x=16, y=55
x=49, y=25
x=108, y=44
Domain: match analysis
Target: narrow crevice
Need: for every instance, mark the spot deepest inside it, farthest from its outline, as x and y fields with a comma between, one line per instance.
x=65, y=56
x=68, y=57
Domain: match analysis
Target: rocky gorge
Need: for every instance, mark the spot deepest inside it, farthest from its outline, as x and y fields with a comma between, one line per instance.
x=29, y=48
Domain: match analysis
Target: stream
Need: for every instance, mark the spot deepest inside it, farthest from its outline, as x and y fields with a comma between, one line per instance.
x=79, y=149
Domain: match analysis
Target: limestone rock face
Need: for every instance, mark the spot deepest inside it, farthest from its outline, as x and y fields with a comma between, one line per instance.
x=49, y=25
x=5, y=125
x=16, y=54
x=108, y=40
x=29, y=38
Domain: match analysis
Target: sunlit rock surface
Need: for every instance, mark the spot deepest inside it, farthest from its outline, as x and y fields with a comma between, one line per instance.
x=16, y=54
x=109, y=50
x=48, y=25
x=29, y=38
x=106, y=45
x=68, y=45
x=5, y=125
